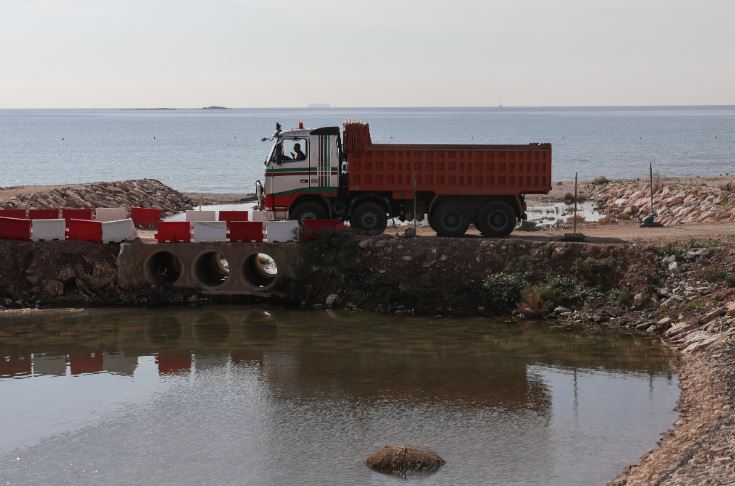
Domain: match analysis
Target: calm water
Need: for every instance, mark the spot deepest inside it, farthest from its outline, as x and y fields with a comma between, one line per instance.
x=244, y=396
x=215, y=150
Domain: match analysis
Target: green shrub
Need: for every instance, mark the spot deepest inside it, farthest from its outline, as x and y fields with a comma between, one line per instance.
x=502, y=291
x=598, y=272
x=601, y=181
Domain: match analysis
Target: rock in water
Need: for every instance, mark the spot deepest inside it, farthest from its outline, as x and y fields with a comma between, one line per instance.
x=404, y=459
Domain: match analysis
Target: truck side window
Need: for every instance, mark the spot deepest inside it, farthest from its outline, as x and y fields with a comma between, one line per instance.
x=294, y=150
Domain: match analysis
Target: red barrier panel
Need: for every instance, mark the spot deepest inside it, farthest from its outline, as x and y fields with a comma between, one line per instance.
x=231, y=216
x=248, y=231
x=313, y=227
x=77, y=213
x=43, y=214
x=174, y=232
x=15, y=228
x=84, y=230
x=13, y=213
x=145, y=217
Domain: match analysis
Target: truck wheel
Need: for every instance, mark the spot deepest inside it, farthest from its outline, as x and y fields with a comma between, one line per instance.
x=449, y=219
x=308, y=210
x=368, y=218
x=496, y=219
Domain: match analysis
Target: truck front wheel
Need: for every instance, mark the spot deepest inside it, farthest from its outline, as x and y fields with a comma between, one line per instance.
x=449, y=219
x=308, y=210
x=368, y=218
x=496, y=218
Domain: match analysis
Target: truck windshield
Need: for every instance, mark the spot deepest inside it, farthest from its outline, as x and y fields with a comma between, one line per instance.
x=273, y=154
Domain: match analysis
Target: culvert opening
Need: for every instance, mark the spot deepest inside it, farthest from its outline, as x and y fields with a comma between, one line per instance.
x=163, y=268
x=212, y=269
x=260, y=270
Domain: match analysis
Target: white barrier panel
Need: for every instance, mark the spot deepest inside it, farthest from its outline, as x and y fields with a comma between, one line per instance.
x=120, y=230
x=281, y=231
x=209, y=230
x=48, y=229
x=193, y=215
x=110, y=214
x=262, y=216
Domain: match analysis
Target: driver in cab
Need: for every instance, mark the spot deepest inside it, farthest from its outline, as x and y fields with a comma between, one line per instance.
x=296, y=155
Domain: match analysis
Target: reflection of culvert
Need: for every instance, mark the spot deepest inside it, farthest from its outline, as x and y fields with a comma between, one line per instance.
x=163, y=268
x=211, y=269
x=212, y=328
x=163, y=329
x=260, y=326
x=260, y=270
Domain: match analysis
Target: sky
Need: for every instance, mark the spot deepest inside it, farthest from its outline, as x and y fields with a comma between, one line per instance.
x=290, y=53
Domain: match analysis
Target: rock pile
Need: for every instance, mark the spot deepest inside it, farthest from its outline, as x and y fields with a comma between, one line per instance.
x=675, y=203
x=132, y=193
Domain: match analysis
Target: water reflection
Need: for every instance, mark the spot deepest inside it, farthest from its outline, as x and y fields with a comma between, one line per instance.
x=343, y=382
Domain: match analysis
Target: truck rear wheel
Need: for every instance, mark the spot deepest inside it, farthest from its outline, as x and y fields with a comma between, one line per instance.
x=449, y=219
x=308, y=210
x=368, y=218
x=496, y=218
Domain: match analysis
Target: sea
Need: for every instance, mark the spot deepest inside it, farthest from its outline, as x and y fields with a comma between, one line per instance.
x=220, y=150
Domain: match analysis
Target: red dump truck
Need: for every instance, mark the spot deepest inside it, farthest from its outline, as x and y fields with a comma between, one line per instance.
x=322, y=173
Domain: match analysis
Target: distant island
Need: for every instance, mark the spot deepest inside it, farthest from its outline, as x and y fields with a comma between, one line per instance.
x=319, y=105
x=214, y=108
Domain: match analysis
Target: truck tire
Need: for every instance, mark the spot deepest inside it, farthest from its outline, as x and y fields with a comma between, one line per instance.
x=308, y=210
x=449, y=219
x=496, y=219
x=368, y=218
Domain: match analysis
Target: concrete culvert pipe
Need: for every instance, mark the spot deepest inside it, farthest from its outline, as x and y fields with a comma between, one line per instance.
x=260, y=270
x=211, y=269
x=163, y=268
x=404, y=460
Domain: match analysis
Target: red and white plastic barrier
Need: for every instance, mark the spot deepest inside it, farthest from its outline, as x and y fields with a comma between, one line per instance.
x=43, y=214
x=314, y=227
x=174, y=232
x=281, y=231
x=14, y=213
x=77, y=213
x=15, y=228
x=119, y=230
x=110, y=214
x=209, y=231
x=48, y=229
x=231, y=216
x=145, y=217
x=85, y=230
x=246, y=231
x=192, y=215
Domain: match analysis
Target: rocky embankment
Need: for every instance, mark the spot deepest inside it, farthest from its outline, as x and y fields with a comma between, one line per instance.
x=148, y=193
x=675, y=202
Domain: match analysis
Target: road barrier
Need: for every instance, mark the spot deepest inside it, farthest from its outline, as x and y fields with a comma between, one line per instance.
x=246, y=231
x=193, y=215
x=110, y=214
x=262, y=216
x=174, y=232
x=280, y=231
x=231, y=216
x=117, y=231
x=77, y=213
x=145, y=217
x=43, y=214
x=14, y=213
x=85, y=230
x=15, y=228
x=48, y=229
x=314, y=227
x=209, y=231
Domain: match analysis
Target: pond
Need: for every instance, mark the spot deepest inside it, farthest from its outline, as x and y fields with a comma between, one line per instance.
x=251, y=395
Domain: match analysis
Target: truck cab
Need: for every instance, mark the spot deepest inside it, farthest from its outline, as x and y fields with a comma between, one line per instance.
x=302, y=173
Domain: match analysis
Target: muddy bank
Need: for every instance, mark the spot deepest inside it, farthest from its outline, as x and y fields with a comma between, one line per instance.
x=148, y=193
x=682, y=292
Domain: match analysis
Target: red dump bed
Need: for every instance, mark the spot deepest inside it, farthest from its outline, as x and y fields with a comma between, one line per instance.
x=451, y=169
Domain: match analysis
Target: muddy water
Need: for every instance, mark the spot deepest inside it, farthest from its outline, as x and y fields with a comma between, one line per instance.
x=241, y=395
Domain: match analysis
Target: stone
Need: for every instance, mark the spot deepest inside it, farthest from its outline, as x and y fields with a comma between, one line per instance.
x=364, y=244
x=561, y=310
x=67, y=274
x=713, y=314
x=406, y=258
x=673, y=267
x=331, y=300
x=730, y=308
x=380, y=243
x=679, y=329
x=664, y=322
x=638, y=299
x=53, y=288
x=410, y=232
x=402, y=459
